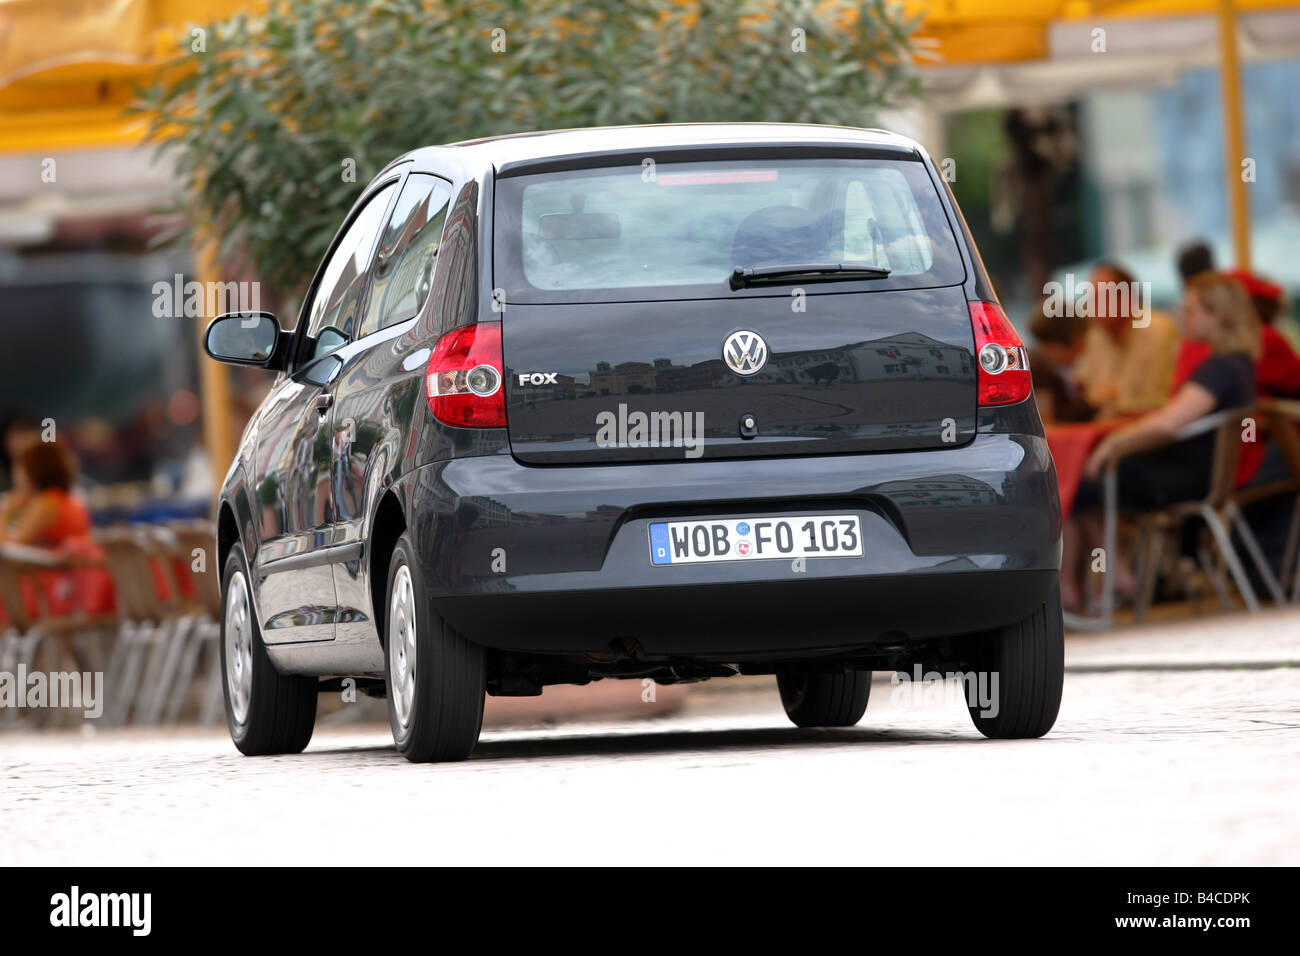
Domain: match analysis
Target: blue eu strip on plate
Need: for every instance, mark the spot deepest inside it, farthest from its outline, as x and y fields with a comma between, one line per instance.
x=660, y=552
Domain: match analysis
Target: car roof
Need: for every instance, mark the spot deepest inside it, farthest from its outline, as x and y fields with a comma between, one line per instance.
x=523, y=148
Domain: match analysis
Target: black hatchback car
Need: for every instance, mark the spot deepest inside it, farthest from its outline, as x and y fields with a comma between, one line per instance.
x=665, y=402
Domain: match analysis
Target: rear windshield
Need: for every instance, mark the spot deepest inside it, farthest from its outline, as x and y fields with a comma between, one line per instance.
x=678, y=230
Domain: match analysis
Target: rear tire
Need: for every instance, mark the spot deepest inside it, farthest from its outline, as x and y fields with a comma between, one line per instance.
x=813, y=699
x=267, y=712
x=435, y=676
x=1028, y=658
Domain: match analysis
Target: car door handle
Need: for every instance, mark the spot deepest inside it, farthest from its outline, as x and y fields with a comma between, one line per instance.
x=323, y=402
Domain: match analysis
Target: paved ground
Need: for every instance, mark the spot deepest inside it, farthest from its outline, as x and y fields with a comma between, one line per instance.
x=1176, y=744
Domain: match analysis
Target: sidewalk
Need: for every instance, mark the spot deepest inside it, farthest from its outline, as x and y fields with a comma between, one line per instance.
x=1271, y=638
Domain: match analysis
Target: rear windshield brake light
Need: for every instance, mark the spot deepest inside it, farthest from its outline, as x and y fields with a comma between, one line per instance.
x=704, y=178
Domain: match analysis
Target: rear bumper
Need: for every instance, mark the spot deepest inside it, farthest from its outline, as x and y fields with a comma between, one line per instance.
x=557, y=559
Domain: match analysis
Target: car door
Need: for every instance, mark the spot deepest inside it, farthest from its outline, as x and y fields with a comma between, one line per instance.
x=295, y=450
x=382, y=381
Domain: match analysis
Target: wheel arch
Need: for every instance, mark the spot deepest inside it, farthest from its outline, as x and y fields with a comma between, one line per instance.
x=227, y=533
x=388, y=524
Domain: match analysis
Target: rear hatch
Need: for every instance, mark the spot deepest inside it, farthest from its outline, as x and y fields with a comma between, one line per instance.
x=628, y=337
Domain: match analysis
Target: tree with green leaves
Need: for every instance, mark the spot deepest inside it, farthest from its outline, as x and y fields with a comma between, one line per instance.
x=277, y=121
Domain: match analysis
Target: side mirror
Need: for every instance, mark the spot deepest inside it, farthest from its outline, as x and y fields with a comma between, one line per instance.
x=245, y=338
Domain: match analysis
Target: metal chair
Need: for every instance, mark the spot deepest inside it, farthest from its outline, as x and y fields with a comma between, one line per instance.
x=159, y=650
x=197, y=544
x=178, y=618
x=1217, y=509
x=74, y=633
x=1281, y=422
x=1153, y=527
x=142, y=613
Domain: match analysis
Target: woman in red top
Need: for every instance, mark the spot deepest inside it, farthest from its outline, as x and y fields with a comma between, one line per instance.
x=1277, y=371
x=43, y=512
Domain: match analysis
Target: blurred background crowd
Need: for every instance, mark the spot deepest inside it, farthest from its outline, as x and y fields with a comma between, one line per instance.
x=1143, y=145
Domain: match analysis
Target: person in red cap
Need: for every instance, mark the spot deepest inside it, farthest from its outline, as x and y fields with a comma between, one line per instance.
x=1277, y=370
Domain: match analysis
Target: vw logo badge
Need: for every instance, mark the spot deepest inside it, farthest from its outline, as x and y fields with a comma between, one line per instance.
x=745, y=352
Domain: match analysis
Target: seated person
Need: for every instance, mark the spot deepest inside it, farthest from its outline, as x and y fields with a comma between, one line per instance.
x=1217, y=311
x=1125, y=368
x=42, y=511
x=1277, y=372
x=1278, y=368
x=1058, y=343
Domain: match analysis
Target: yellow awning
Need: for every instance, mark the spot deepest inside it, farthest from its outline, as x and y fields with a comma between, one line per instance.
x=68, y=68
x=967, y=32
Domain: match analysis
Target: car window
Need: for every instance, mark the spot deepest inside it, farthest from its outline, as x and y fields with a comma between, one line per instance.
x=408, y=252
x=616, y=234
x=338, y=294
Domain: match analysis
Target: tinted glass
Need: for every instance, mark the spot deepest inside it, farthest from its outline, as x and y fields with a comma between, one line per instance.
x=680, y=229
x=339, y=292
x=408, y=253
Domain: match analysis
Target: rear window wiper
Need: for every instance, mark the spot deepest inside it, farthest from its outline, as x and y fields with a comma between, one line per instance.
x=742, y=276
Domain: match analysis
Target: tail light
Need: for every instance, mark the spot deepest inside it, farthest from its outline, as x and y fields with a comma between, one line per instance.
x=463, y=380
x=1003, y=363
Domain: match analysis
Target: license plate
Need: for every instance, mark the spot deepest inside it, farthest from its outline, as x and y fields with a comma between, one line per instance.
x=755, y=539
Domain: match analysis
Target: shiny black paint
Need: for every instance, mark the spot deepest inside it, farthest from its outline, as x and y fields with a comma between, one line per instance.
x=961, y=518
x=962, y=535
x=849, y=372
x=295, y=514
